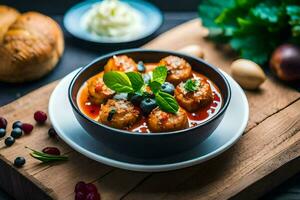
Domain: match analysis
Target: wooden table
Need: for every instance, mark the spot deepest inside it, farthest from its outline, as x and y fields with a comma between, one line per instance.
x=266, y=155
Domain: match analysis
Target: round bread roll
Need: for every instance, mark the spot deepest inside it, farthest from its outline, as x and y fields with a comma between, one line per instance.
x=30, y=45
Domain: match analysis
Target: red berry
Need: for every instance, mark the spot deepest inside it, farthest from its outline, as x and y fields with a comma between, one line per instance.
x=93, y=196
x=80, y=187
x=80, y=196
x=40, y=116
x=90, y=187
x=3, y=123
x=27, y=128
x=51, y=151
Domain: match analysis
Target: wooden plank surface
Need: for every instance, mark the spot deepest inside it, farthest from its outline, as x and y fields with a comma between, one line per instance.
x=270, y=145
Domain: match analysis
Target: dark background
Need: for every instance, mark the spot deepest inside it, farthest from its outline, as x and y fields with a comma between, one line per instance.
x=60, y=6
x=175, y=12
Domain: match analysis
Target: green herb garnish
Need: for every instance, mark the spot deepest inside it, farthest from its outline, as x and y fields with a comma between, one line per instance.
x=133, y=83
x=118, y=81
x=166, y=102
x=111, y=114
x=191, y=85
x=155, y=86
x=252, y=28
x=159, y=74
x=44, y=157
x=136, y=79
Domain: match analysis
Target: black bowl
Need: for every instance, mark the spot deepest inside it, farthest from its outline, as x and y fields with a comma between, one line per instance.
x=150, y=144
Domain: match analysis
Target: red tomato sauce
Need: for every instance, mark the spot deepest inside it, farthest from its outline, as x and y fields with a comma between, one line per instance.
x=195, y=118
x=85, y=105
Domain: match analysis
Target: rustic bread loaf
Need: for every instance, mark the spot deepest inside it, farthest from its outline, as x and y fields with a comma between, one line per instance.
x=30, y=45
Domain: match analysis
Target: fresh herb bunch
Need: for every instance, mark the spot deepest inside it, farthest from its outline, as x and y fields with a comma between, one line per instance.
x=133, y=83
x=254, y=28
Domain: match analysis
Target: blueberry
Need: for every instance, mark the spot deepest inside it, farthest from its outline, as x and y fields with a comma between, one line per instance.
x=19, y=161
x=9, y=141
x=147, y=105
x=2, y=132
x=16, y=133
x=168, y=88
x=136, y=99
x=141, y=67
x=17, y=124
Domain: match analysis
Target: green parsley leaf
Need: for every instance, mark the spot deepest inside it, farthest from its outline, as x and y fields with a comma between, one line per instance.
x=294, y=13
x=159, y=74
x=210, y=10
x=166, y=102
x=244, y=43
x=118, y=81
x=191, y=85
x=252, y=28
x=136, y=79
x=267, y=12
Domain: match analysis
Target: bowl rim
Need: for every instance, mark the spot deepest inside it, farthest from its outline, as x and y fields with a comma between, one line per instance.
x=215, y=116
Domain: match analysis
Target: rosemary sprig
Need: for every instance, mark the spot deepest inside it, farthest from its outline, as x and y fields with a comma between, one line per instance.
x=44, y=157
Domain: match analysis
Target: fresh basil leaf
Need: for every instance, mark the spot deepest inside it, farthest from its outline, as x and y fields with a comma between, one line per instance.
x=117, y=81
x=159, y=74
x=191, y=85
x=136, y=80
x=155, y=86
x=166, y=102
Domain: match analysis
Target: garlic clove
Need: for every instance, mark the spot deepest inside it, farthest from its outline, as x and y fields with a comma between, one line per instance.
x=247, y=73
x=193, y=50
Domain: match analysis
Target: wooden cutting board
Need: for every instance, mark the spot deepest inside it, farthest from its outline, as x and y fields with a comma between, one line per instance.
x=266, y=155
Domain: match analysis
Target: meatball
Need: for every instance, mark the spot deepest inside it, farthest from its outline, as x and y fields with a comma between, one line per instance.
x=118, y=114
x=178, y=69
x=98, y=91
x=160, y=121
x=120, y=63
x=194, y=100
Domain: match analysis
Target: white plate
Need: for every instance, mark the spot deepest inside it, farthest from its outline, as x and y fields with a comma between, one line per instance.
x=226, y=134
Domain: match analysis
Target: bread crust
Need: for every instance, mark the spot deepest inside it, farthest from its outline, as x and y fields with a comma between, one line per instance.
x=8, y=16
x=30, y=48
